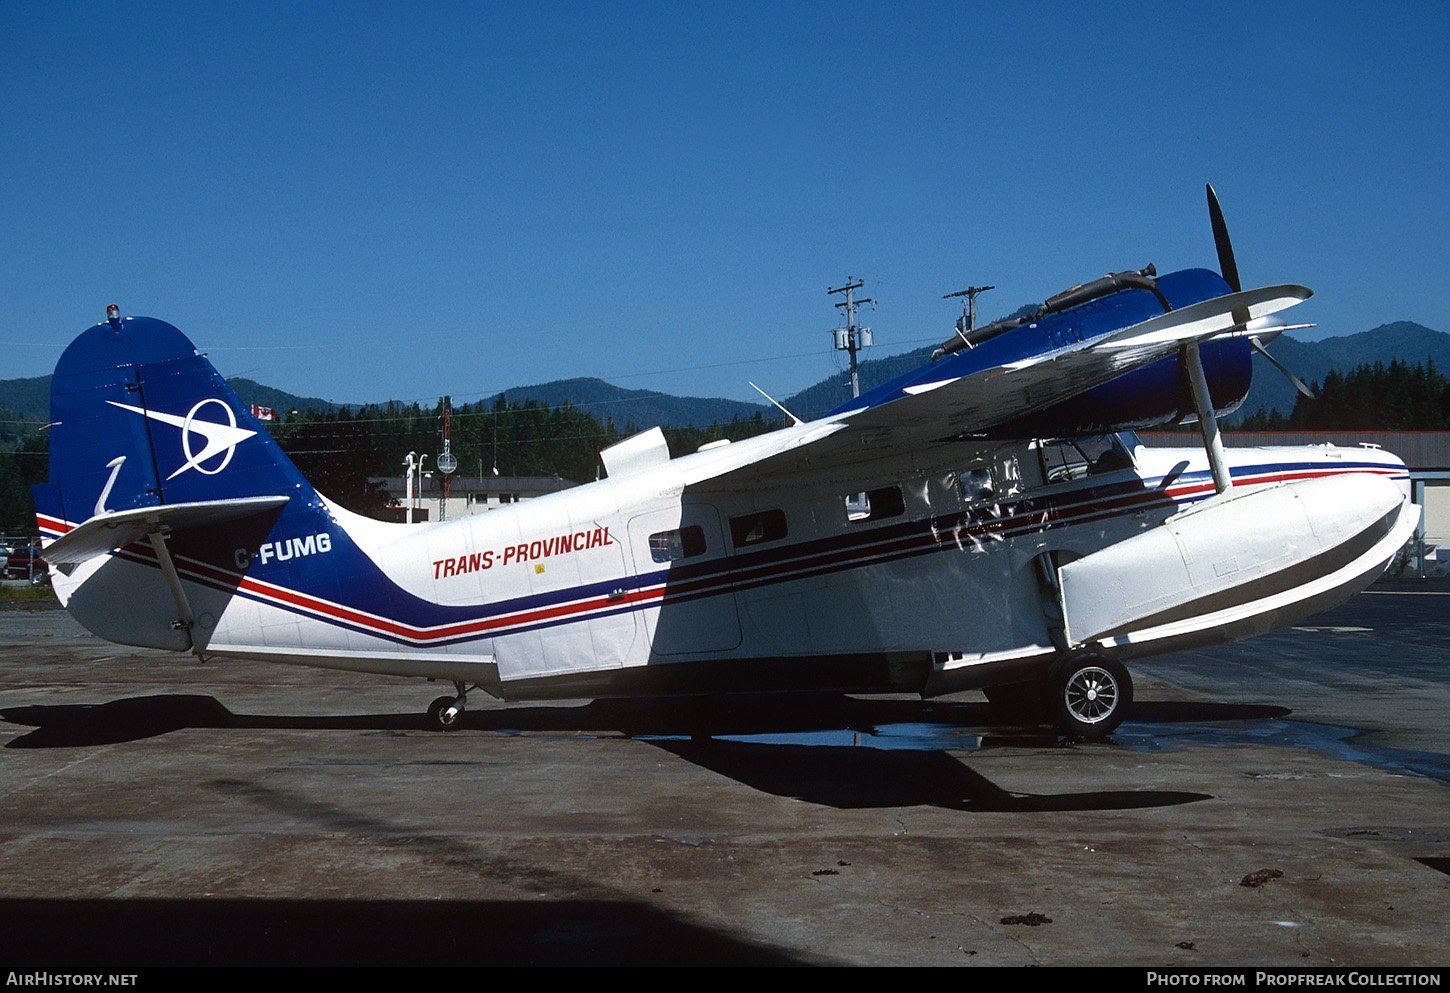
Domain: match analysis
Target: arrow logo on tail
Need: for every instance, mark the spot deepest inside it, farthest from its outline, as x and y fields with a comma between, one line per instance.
x=218, y=437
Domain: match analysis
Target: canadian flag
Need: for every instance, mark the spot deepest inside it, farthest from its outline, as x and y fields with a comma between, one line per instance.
x=263, y=413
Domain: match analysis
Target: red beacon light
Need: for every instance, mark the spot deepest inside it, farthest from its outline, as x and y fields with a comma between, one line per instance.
x=113, y=315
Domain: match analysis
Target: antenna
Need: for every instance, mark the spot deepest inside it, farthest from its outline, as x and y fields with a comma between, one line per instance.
x=851, y=338
x=774, y=401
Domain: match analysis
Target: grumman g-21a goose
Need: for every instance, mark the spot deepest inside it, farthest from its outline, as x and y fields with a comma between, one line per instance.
x=984, y=522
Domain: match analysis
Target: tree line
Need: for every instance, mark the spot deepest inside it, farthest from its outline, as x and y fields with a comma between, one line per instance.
x=1393, y=396
x=339, y=451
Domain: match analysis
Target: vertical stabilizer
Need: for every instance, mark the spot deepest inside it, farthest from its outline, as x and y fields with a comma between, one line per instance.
x=140, y=418
x=149, y=444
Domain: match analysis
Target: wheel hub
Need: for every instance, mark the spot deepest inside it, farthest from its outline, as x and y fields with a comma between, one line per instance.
x=1091, y=695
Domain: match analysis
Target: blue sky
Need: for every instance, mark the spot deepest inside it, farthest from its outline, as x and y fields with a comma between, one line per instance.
x=363, y=201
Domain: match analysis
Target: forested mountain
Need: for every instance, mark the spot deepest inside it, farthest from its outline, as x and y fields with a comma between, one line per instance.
x=1393, y=396
x=30, y=397
x=643, y=408
x=1312, y=360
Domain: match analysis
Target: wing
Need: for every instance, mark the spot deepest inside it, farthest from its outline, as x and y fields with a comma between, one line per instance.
x=953, y=398
x=980, y=400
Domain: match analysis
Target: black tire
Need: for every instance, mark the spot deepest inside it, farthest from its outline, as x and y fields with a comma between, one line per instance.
x=1088, y=695
x=436, y=720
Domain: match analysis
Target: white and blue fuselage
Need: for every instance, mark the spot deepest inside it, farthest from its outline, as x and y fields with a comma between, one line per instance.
x=971, y=524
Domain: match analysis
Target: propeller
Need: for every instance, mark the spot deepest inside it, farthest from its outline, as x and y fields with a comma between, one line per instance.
x=1226, y=264
x=1299, y=384
x=1229, y=268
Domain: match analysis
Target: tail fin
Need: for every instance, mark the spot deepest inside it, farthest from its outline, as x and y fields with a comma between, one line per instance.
x=140, y=419
x=147, y=441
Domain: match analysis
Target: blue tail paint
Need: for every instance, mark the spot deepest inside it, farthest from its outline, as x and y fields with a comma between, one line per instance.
x=141, y=420
x=149, y=443
x=137, y=390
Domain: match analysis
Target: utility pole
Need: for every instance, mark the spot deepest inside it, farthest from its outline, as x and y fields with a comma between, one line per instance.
x=968, y=321
x=447, y=462
x=852, y=338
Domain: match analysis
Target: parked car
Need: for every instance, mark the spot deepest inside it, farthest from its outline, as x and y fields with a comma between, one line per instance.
x=24, y=562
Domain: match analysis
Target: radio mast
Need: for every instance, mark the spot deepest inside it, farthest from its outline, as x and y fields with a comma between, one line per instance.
x=447, y=462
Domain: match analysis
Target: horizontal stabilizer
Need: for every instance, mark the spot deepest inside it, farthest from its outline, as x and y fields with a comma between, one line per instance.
x=106, y=532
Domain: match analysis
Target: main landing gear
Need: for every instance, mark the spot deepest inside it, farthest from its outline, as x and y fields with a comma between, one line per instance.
x=1088, y=694
x=446, y=713
x=1084, y=695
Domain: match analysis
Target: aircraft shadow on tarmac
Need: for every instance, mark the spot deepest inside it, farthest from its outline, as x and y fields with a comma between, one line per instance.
x=846, y=778
x=830, y=774
x=110, y=933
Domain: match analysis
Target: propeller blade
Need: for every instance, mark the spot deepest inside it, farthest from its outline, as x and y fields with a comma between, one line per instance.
x=1298, y=383
x=1226, y=264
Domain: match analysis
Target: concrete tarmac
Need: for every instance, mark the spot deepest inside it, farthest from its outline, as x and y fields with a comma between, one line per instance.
x=1284, y=801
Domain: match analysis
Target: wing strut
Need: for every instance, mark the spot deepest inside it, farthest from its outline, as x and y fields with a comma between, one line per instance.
x=1192, y=361
x=157, y=537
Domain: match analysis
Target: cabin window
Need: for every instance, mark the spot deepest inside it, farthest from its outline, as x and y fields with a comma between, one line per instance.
x=681, y=543
x=976, y=484
x=875, y=505
x=751, y=529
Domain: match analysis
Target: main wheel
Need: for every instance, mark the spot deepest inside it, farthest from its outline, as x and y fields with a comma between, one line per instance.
x=437, y=715
x=1089, y=694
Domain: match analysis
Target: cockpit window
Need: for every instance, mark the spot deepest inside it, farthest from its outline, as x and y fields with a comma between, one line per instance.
x=1078, y=458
